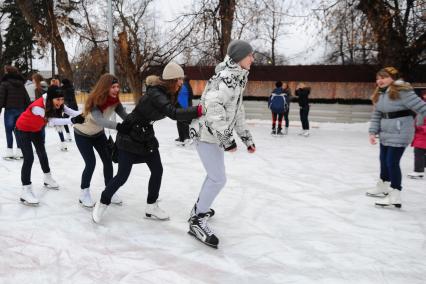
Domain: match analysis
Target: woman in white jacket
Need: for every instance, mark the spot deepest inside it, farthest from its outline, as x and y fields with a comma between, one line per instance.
x=224, y=112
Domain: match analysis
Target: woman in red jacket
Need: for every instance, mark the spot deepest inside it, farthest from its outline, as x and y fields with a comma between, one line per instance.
x=419, y=144
x=29, y=130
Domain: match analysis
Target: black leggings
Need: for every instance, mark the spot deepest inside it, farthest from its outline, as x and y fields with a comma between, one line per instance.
x=25, y=139
x=125, y=163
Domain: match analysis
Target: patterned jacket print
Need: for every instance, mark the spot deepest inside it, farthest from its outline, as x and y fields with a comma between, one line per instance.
x=222, y=101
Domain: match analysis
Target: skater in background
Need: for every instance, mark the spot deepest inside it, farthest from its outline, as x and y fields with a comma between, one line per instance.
x=70, y=101
x=102, y=103
x=302, y=92
x=29, y=126
x=184, y=100
x=419, y=144
x=222, y=100
x=287, y=95
x=278, y=104
x=14, y=99
x=392, y=120
x=136, y=141
x=59, y=128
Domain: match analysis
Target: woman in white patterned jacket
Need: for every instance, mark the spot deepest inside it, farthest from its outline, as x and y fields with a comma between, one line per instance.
x=224, y=112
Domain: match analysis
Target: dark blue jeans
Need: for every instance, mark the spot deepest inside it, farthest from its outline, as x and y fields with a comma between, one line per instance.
x=86, y=145
x=389, y=165
x=304, y=112
x=10, y=117
x=125, y=163
x=25, y=139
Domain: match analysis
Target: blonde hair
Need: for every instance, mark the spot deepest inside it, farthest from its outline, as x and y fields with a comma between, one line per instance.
x=393, y=89
x=100, y=92
x=37, y=78
x=301, y=85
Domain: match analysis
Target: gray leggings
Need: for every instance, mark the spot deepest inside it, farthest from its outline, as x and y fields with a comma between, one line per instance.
x=212, y=157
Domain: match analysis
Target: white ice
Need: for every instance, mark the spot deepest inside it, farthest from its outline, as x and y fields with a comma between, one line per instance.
x=293, y=212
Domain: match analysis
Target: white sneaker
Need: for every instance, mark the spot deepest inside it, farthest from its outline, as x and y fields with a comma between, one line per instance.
x=415, y=175
x=18, y=154
x=116, y=200
x=392, y=199
x=68, y=137
x=86, y=199
x=382, y=188
x=64, y=147
x=9, y=154
x=27, y=196
x=49, y=182
x=99, y=211
x=153, y=211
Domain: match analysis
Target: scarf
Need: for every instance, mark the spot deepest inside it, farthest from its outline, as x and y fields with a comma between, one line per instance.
x=110, y=101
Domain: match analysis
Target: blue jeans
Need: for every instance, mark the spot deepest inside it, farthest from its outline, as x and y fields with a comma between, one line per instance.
x=125, y=163
x=86, y=145
x=389, y=165
x=10, y=117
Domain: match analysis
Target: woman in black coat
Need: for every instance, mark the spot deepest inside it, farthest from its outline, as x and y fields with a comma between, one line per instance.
x=302, y=92
x=136, y=141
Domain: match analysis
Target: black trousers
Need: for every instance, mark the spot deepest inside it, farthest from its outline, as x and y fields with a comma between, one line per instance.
x=304, y=112
x=125, y=163
x=25, y=140
x=183, y=130
x=419, y=160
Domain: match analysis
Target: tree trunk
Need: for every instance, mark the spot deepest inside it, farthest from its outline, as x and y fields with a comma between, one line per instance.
x=50, y=32
x=226, y=13
x=133, y=75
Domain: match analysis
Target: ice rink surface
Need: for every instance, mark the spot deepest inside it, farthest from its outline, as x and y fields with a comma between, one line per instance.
x=293, y=212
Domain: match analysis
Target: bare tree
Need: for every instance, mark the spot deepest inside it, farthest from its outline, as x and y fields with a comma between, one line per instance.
x=46, y=24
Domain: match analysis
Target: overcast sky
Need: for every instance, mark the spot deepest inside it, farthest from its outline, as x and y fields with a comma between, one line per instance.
x=298, y=44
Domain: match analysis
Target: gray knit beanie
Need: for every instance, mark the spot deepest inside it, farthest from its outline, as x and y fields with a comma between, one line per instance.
x=172, y=71
x=238, y=49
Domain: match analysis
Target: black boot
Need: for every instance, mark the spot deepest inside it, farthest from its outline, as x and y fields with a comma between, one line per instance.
x=199, y=228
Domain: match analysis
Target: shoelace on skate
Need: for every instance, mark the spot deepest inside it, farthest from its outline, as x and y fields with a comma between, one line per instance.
x=205, y=226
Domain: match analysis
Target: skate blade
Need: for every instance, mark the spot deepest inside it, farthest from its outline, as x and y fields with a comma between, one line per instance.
x=9, y=158
x=51, y=187
x=415, y=177
x=86, y=206
x=153, y=217
x=117, y=203
x=388, y=205
x=24, y=202
x=379, y=195
x=210, y=245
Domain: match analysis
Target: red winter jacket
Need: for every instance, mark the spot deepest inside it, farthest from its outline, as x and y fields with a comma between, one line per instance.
x=30, y=122
x=419, y=140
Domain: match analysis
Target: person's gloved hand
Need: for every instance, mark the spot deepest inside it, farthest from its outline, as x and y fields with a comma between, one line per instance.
x=77, y=119
x=200, y=110
x=251, y=149
x=123, y=128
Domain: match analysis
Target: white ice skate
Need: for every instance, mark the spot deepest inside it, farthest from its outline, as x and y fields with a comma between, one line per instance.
x=116, y=200
x=416, y=175
x=392, y=199
x=153, y=211
x=9, y=156
x=99, y=211
x=382, y=188
x=18, y=154
x=86, y=199
x=68, y=137
x=64, y=147
x=49, y=182
x=28, y=197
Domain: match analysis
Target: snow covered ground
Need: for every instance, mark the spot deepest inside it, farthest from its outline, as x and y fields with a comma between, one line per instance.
x=293, y=212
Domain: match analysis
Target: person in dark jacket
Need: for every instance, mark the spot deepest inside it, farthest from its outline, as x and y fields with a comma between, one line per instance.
x=136, y=141
x=70, y=101
x=278, y=104
x=14, y=99
x=302, y=92
x=184, y=100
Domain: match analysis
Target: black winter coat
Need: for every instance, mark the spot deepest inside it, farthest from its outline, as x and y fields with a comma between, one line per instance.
x=154, y=105
x=302, y=95
x=13, y=93
x=69, y=97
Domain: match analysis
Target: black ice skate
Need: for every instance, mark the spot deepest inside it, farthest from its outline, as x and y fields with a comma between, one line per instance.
x=199, y=228
x=209, y=213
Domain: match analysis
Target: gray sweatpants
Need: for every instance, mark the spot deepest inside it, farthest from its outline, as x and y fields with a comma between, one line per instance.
x=212, y=157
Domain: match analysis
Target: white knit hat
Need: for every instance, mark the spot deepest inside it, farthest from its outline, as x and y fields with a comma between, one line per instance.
x=172, y=71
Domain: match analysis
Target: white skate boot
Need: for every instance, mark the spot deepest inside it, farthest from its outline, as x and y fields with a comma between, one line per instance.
x=116, y=200
x=392, y=199
x=86, y=199
x=49, y=182
x=9, y=155
x=18, y=154
x=28, y=197
x=382, y=188
x=153, y=211
x=99, y=211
